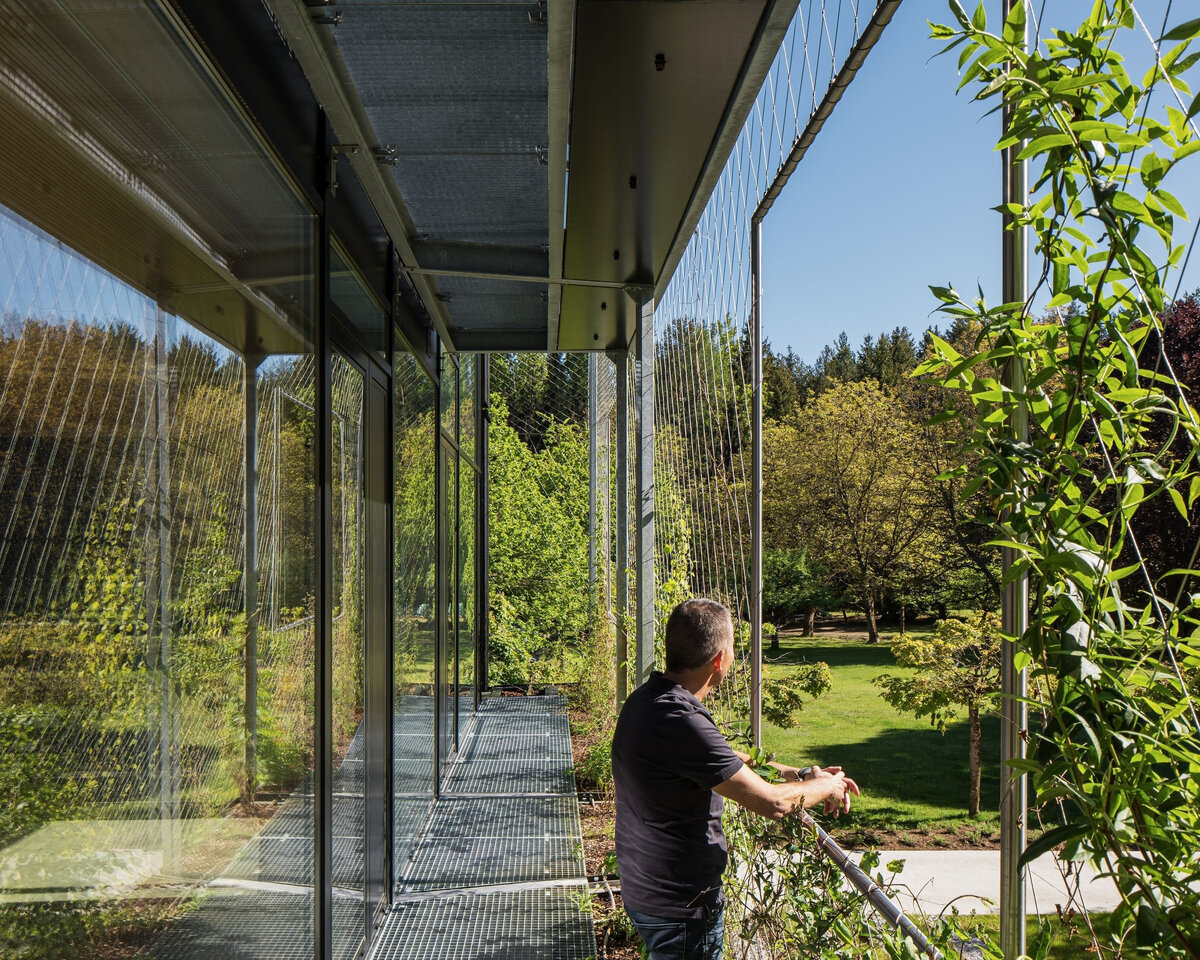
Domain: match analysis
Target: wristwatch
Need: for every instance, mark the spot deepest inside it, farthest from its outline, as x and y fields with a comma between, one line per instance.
x=802, y=773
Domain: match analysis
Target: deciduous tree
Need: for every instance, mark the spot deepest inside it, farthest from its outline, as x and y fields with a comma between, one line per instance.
x=958, y=668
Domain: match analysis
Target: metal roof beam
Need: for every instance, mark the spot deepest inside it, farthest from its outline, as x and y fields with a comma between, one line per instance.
x=318, y=56
x=561, y=31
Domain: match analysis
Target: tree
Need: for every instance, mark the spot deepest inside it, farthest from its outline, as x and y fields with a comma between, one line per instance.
x=888, y=358
x=794, y=584
x=539, y=545
x=958, y=668
x=844, y=484
x=1166, y=538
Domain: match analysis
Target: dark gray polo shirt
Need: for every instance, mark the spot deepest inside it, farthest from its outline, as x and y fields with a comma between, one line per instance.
x=667, y=756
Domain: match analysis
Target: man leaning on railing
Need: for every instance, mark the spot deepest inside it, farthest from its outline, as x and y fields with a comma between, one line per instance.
x=672, y=768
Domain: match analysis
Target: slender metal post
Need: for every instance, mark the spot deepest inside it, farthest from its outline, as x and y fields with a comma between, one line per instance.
x=645, y=488
x=1014, y=719
x=756, y=483
x=250, y=575
x=593, y=474
x=621, y=604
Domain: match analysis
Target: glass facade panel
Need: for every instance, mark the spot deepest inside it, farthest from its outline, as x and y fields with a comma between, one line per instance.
x=353, y=299
x=347, y=557
x=156, y=677
x=468, y=364
x=466, y=595
x=414, y=551
x=448, y=720
x=450, y=394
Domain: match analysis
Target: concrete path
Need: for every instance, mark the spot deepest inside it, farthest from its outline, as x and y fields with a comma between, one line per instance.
x=970, y=880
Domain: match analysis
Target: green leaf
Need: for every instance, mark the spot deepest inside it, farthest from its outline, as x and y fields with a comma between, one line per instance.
x=1042, y=144
x=1185, y=31
x=979, y=20
x=1051, y=839
x=1168, y=200
x=1177, y=499
x=1187, y=149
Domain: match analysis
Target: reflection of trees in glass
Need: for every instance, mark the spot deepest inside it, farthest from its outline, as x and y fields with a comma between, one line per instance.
x=413, y=525
x=347, y=552
x=466, y=581
x=90, y=544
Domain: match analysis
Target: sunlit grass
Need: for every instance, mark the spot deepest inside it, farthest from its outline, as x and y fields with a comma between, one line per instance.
x=913, y=778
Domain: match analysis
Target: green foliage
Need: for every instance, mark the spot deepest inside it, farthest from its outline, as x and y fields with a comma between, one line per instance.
x=1114, y=663
x=957, y=668
x=784, y=696
x=67, y=931
x=856, y=498
x=540, y=598
x=788, y=898
x=795, y=584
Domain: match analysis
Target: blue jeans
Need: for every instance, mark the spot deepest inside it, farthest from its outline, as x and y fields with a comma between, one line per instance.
x=670, y=938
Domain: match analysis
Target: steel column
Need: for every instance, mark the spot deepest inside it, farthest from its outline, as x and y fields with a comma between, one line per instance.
x=756, y=483
x=250, y=575
x=644, y=600
x=1014, y=720
x=323, y=598
x=483, y=377
x=621, y=601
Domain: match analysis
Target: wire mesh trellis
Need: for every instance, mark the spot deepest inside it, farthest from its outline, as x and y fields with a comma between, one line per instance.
x=704, y=364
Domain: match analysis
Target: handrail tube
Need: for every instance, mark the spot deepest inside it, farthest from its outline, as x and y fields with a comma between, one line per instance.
x=871, y=890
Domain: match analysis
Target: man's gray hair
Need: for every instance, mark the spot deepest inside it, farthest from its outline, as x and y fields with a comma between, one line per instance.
x=696, y=631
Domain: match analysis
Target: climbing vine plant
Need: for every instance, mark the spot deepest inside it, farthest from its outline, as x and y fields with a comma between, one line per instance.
x=1113, y=654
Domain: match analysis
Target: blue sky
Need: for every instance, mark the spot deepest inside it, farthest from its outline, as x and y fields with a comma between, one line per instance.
x=896, y=193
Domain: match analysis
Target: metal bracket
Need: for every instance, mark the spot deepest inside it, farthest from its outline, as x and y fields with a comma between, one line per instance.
x=385, y=154
x=350, y=150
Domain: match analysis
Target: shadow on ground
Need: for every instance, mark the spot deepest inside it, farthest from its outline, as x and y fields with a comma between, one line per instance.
x=876, y=760
x=836, y=653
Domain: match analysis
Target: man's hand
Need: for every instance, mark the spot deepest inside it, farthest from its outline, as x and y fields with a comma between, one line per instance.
x=829, y=787
x=838, y=802
x=835, y=806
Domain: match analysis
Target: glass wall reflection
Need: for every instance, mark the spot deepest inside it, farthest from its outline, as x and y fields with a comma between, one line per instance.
x=415, y=438
x=347, y=560
x=156, y=712
x=466, y=595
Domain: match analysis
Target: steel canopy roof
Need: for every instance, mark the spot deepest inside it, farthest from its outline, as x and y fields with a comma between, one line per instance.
x=535, y=161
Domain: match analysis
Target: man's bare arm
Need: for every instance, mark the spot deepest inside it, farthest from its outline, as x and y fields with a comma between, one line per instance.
x=778, y=800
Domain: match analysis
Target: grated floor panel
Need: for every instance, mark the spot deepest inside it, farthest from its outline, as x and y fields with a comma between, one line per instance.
x=505, y=817
x=513, y=925
x=511, y=777
x=515, y=746
x=446, y=863
x=240, y=924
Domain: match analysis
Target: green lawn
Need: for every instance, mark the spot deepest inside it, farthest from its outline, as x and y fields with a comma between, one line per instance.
x=913, y=779
x=1068, y=941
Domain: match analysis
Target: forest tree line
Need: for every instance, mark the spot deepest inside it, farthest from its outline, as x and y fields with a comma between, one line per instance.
x=868, y=500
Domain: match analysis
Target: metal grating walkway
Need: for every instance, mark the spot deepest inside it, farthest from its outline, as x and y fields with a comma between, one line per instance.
x=497, y=871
